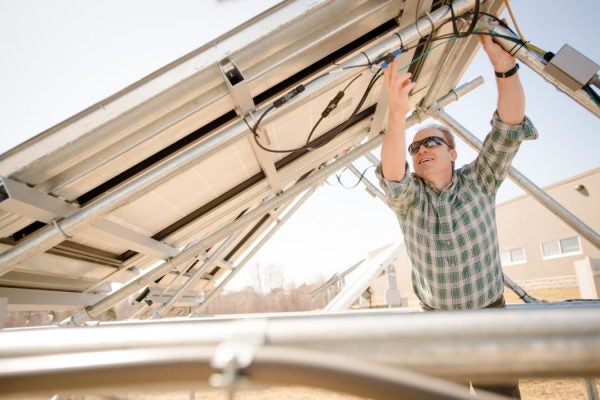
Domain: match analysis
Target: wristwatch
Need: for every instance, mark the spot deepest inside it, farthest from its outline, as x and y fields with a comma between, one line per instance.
x=508, y=73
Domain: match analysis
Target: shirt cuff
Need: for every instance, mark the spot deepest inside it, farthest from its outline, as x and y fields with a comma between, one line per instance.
x=379, y=173
x=523, y=131
x=390, y=186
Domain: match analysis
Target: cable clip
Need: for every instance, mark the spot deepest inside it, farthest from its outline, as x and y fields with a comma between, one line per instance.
x=230, y=359
x=233, y=355
x=58, y=228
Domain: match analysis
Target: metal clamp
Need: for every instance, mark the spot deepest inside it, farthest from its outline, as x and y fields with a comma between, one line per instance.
x=237, y=86
x=235, y=354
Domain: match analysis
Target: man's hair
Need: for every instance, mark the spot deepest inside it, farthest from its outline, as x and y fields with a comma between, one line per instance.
x=448, y=136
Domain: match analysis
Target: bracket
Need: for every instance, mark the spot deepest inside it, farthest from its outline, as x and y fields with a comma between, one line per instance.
x=238, y=87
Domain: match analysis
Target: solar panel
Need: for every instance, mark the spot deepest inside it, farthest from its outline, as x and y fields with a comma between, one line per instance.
x=134, y=180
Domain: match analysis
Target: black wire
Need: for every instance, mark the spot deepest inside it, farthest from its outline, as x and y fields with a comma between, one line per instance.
x=312, y=131
x=452, y=35
x=323, y=116
x=255, y=134
x=471, y=28
x=471, y=31
x=321, y=141
x=271, y=107
x=254, y=129
x=362, y=176
x=592, y=93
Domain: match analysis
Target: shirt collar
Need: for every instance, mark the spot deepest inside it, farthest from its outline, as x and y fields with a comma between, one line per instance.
x=451, y=186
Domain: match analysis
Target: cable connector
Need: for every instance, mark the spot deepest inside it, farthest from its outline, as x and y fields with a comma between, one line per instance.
x=387, y=58
x=288, y=96
x=332, y=104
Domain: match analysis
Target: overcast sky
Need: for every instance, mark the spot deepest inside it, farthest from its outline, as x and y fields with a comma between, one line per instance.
x=61, y=56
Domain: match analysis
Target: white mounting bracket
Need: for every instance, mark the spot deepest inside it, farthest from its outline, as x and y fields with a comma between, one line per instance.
x=237, y=86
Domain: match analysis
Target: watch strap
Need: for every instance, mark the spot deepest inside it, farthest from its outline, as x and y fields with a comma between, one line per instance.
x=508, y=73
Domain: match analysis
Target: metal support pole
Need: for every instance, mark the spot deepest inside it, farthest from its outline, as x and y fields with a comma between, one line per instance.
x=591, y=390
x=52, y=235
x=179, y=270
x=527, y=185
x=197, y=275
x=3, y=306
x=519, y=291
x=199, y=309
x=354, y=289
x=460, y=91
x=374, y=160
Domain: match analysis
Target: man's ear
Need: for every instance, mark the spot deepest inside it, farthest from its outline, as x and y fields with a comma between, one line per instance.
x=453, y=154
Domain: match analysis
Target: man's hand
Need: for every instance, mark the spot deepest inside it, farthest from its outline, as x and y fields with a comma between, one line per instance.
x=511, y=98
x=398, y=86
x=393, y=151
x=500, y=58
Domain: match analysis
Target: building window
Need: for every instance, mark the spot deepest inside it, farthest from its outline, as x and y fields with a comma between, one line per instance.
x=562, y=247
x=513, y=256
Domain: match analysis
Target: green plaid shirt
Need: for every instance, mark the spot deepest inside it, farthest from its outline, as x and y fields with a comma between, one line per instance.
x=450, y=236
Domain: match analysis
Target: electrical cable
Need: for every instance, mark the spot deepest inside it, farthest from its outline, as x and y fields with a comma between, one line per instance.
x=332, y=105
x=592, y=93
x=471, y=28
x=319, y=142
x=361, y=177
x=457, y=34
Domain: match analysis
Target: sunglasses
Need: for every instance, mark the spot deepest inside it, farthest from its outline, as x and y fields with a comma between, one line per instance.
x=428, y=142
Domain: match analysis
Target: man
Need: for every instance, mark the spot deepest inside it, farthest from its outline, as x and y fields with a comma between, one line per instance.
x=448, y=216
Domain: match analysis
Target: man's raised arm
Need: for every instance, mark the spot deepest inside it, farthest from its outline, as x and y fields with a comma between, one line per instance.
x=393, y=149
x=511, y=97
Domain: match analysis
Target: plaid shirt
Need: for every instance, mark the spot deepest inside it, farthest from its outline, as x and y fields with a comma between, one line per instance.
x=450, y=236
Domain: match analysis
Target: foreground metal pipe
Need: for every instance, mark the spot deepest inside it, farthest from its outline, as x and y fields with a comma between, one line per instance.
x=52, y=235
x=485, y=345
x=177, y=368
x=552, y=205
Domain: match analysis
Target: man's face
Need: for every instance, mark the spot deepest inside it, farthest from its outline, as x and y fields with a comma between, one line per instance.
x=432, y=161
